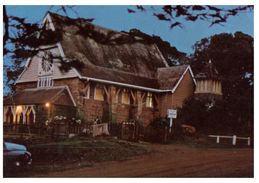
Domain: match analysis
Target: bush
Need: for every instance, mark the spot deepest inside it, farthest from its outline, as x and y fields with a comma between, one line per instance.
x=157, y=130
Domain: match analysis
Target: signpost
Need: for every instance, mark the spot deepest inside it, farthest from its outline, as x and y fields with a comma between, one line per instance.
x=171, y=113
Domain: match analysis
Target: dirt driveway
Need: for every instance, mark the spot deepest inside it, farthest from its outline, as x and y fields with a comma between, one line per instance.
x=173, y=161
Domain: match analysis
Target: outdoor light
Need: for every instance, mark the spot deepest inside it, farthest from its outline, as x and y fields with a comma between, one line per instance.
x=47, y=104
x=19, y=109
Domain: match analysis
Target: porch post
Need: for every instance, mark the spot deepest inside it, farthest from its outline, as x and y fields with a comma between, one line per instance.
x=113, y=103
x=140, y=97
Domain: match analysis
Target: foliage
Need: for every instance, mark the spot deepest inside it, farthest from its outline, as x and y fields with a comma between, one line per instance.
x=63, y=111
x=23, y=39
x=209, y=116
x=80, y=115
x=233, y=56
x=82, y=150
x=176, y=15
x=50, y=155
x=159, y=123
x=157, y=130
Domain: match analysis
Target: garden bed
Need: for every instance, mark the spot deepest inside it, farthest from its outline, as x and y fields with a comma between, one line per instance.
x=79, y=152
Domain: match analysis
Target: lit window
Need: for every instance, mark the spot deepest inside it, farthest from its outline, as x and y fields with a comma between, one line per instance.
x=125, y=97
x=45, y=81
x=99, y=94
x=19, y=114
x=149, y=100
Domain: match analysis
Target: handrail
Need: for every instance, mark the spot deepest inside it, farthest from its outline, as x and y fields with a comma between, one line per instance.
x=234, y=137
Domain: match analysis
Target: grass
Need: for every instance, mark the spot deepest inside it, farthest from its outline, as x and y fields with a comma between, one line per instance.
x=75, y=153
x=90, y=150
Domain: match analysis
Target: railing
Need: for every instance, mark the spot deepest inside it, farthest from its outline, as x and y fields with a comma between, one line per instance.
x=234, y=139
x=20, y=128
x=99, y=129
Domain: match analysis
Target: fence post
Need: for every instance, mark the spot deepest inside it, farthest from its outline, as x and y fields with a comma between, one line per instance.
x=248, y=141
x=217, y=139
x=234, y=139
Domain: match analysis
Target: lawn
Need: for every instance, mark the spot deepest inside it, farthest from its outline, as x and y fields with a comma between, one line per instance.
x=75, y=153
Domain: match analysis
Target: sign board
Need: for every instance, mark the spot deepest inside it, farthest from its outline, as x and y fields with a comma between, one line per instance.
x=171, y=113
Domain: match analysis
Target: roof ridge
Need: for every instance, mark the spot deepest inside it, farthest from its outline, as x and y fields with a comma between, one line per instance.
x=170, y=67
x=86, y=21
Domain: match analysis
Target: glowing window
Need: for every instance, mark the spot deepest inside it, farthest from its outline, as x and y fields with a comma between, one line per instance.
x=99, y=94
x=125, y=97
x=149, y=100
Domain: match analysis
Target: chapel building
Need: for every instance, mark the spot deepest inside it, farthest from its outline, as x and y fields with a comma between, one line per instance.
x=121, y=77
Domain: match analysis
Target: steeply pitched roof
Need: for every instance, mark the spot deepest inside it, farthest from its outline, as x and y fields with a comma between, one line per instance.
x=41, y=96
x=113, y=56
x=120, y=77
x=168, y=77
x=98, y=46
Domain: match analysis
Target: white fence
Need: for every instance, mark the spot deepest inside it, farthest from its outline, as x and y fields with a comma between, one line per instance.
x=234, y=138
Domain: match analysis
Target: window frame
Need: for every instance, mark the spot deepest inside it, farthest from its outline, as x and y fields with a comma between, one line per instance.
x=45, y=81
x=122, y=97
x=96, y=87
x=149, y=100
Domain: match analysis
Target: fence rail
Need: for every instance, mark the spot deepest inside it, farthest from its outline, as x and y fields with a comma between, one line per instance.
x=234, y=138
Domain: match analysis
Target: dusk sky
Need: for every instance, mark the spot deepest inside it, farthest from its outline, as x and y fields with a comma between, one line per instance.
x=117, y=18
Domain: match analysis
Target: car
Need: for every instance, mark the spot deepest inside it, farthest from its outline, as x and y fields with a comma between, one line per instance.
x=16, y=155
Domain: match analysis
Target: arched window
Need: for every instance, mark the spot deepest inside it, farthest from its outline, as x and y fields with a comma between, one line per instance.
x=125, y=97
x=18, y=115
x=9, y=116
x=29, y=116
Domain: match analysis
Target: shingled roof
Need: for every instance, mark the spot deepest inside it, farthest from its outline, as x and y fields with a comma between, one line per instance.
x=92, y=44
x=115, y=56
x=169, y=76
x=41, y=96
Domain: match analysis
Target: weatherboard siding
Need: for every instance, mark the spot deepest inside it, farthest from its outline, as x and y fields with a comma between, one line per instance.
x=31, y=73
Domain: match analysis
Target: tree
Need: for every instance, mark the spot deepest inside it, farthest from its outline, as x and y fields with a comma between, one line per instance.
x=175, y=14
x=233, y=57
x=23, y=39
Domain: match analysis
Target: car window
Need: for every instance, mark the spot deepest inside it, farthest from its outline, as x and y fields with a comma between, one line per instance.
x=4, y=147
